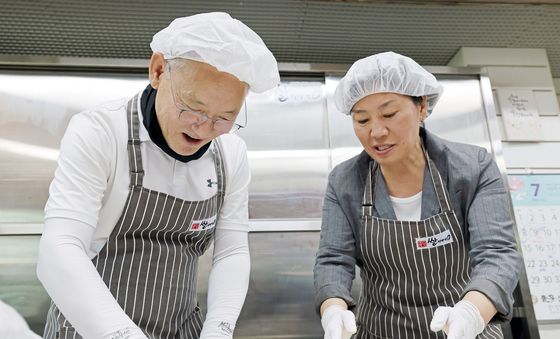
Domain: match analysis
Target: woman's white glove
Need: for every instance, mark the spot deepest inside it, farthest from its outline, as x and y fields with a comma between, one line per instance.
x=338, y=322
x=463, y=321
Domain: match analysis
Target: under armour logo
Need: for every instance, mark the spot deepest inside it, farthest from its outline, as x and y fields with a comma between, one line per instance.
x=210, y=182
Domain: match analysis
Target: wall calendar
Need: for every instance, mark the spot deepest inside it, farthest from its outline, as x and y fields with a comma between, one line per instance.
x=536, y=202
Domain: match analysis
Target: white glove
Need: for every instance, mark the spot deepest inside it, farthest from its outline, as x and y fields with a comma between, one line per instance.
x=463, y=321
x=12, y=325
x=338, y=323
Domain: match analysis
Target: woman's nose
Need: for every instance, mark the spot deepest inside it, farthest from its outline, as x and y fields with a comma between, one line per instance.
x=379, y=131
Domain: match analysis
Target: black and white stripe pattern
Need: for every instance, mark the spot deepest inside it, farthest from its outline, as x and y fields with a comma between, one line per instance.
x=401, y=285
x=150, y=260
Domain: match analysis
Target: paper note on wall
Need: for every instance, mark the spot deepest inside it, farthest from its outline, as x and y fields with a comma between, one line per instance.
x=519, y=113
x=536, y=201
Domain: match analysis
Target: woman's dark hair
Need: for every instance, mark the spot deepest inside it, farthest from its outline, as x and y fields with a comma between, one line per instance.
x=416, y=100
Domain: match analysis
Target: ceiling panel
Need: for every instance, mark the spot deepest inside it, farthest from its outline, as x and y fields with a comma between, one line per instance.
x=295, y=30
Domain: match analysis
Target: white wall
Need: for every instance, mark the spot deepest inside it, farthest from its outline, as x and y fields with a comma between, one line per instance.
x=522, y=68
x=549, y=331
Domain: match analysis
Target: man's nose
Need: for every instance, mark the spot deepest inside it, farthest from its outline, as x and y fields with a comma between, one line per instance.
x=204, y=127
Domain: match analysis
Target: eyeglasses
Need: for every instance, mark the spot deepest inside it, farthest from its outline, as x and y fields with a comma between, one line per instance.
x=196, y=118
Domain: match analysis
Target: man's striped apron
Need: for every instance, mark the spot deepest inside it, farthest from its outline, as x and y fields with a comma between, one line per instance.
x=150, y=260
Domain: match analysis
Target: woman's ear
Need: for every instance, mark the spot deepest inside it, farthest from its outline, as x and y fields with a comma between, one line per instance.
x=156, y=69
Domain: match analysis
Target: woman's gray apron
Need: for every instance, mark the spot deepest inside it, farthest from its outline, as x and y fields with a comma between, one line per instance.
x=150, y=259
x=410, y=268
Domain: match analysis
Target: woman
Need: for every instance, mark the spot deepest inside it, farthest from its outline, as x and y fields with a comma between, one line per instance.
x=426, y=220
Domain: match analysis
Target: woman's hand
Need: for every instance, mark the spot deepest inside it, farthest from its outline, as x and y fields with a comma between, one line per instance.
x=462, y=321
x=338, y=322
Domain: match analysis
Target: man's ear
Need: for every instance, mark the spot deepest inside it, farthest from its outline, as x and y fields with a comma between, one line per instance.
x=156, y=69
x=424, y=108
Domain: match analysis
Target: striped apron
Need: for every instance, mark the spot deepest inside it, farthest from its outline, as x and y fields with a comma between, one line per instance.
x=150, y=260
x=410, y=268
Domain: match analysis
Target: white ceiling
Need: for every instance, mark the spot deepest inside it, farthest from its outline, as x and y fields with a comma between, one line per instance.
x=305, y=31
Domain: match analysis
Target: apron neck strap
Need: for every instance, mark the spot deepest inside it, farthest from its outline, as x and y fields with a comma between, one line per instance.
x=367, y=201
x=217, y=154
x=439, y=187
x=134, y=154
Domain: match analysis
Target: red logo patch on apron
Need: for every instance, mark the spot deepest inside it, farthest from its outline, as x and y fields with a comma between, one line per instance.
x=421, y=243
x=203, y=224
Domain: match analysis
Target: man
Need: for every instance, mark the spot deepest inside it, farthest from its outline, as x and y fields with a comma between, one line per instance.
x=143, y=186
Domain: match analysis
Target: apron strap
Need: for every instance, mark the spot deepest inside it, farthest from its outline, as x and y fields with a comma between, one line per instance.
x=134, y=154
x=217, y=153
x=367, y=201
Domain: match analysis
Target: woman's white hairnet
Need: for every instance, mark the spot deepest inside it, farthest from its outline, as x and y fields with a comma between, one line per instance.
x=223, y=42
x=386, y=72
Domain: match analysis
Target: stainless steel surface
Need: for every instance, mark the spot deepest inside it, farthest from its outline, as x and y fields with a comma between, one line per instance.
x=19, y=286
x=288, y=148
x=279, y=303
x=284, y=225
x=343, y=142
x=35, y=108
x=294, y=136
x=20, y=229
x=459, y=114
x=288, y=151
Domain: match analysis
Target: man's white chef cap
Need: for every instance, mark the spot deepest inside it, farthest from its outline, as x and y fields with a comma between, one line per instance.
x=382, y=73
x=223, y=42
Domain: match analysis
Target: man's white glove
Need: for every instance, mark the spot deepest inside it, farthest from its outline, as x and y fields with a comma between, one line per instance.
x=463, y=321
x=338, y=323
x=12, y=324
